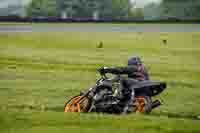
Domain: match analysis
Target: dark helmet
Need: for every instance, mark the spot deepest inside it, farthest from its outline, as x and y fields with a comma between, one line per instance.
x=134, y=60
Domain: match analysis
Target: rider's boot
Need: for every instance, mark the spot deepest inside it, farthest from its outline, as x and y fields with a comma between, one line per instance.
x=129, y=106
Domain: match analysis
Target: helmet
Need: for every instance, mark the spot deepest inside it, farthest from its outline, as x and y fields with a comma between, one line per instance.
x=134, y=60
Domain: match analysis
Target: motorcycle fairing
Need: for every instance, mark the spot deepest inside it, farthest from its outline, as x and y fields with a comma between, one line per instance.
x=154, y=87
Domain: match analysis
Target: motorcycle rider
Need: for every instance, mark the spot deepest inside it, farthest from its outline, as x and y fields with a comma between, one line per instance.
x=136, y=72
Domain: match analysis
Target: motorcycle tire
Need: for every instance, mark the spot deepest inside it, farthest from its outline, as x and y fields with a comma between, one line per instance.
x=77, y=104
x=143, y=104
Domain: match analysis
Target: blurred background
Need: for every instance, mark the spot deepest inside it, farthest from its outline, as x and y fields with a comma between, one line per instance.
x=102, y=9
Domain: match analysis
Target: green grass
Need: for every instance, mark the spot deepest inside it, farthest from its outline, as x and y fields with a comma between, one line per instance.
x=99, y=23
x=38, y=71
x=88, y=123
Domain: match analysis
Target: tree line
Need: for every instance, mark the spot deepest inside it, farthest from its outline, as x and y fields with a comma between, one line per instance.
x=184, y=9
x=113, y=9
x=108, y=9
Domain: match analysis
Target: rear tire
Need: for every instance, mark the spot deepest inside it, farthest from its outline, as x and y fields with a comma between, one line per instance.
x=143, y=104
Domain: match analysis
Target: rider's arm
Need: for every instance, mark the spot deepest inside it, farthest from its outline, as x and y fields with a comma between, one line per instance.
x=121, y=70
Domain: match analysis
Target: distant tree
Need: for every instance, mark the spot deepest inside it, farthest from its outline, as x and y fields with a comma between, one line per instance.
x=184, y=9
x=137, y=13
x=121, y=8
x=152, y=11
x=113, y=9
x=42, y=8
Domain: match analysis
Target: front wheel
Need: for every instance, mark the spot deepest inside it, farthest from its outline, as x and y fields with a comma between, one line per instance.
x=77, y=104
x=143, y=104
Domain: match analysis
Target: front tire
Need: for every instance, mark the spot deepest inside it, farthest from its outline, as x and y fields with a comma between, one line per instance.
x=77, y=104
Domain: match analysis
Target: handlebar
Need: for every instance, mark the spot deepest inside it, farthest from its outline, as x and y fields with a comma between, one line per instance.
x=104, y=76
x=116, y=78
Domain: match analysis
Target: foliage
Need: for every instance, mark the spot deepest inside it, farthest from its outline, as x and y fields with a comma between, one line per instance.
x=152, y=11
x=80, y=8
x=42, y=8
x=182, y=9
x=137, y=13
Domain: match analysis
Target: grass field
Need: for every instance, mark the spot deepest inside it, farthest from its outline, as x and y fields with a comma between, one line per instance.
x=38, y=71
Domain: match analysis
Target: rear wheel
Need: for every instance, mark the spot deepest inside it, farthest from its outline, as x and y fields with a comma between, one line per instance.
x=143, y=104
x=77, y=104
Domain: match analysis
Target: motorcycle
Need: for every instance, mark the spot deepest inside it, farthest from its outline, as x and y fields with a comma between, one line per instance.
x=107, y=96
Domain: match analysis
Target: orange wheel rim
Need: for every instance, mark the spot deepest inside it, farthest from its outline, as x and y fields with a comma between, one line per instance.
x=76, y=105
x=73, y=105
x=140, y=104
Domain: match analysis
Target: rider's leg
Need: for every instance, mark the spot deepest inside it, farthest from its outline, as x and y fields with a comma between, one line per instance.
x=129, y=95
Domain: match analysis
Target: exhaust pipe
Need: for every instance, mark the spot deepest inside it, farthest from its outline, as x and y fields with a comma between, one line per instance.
x=156, y=104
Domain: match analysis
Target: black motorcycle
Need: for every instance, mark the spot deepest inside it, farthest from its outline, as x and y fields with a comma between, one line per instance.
x=107, y=96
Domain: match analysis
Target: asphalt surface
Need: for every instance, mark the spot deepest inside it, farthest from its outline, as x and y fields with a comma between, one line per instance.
x=100, y=27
